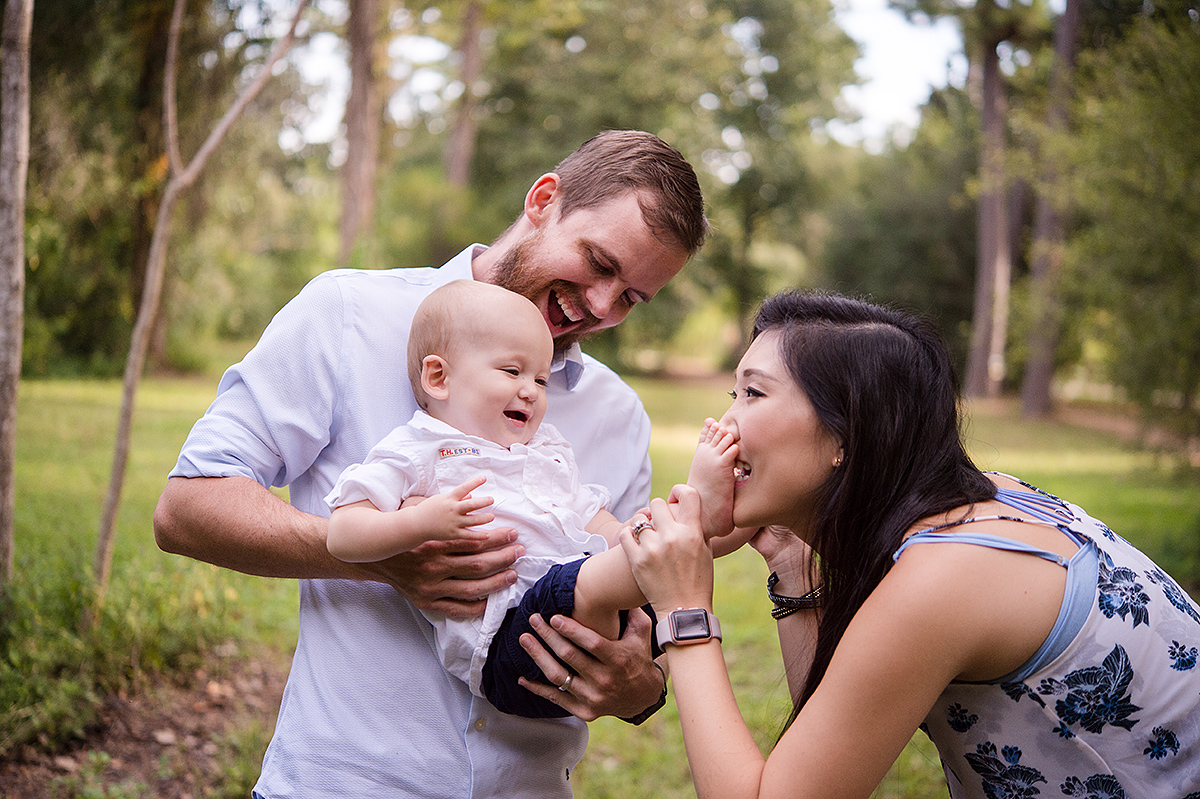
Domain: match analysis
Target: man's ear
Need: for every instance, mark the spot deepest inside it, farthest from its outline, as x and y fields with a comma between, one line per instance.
x=539, y=202
x=434, y=371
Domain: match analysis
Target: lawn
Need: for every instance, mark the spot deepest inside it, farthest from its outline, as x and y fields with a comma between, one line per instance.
x=165, y=613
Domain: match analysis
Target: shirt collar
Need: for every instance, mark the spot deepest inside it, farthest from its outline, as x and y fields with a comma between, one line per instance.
x=421, y=420
x=569, y=364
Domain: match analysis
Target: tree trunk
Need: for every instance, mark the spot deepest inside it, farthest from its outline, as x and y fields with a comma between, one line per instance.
x=14, y=168
x=1046, y=264
x=460, y=144
x=364, y=113
x=460, y=149
x=181, y=179
x=985, y=362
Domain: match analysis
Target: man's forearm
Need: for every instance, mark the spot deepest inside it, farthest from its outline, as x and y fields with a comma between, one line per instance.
x=235, y=523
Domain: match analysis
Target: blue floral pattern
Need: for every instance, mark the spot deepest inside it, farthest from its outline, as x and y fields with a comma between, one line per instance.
x=1098, y=786
x=1112, y=714
x=1018, y=690
x=1094, y=696
x=959, y=718
x=1121, y=594
x=1165, y=743
x=1007, y=778
x=1183, y=655
x=1173, y=592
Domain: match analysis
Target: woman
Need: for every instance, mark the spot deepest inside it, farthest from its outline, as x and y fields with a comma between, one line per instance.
x=1042, y=654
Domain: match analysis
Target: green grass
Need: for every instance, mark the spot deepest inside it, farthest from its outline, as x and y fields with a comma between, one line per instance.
x=165, y=613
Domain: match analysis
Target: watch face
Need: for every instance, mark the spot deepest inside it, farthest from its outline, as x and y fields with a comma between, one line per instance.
x=690, y=625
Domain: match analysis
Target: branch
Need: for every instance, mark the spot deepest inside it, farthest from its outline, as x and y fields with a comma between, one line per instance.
x=170, y=118
x=152, y=288
x=188, y=176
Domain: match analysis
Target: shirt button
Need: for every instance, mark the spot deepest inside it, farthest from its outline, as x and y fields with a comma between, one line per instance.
x=480, y=724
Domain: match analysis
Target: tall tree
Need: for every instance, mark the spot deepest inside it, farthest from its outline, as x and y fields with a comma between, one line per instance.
x=460, y=144
x=364, y=121
x=183, y=176
x=986, y=24
x=461, y=139
x=1048, y=241
x=793, y=61
x=14, y=165
x=1135, y=180
x=985, y=360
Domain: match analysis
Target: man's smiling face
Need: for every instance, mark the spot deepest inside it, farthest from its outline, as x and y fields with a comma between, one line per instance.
x=585, y=272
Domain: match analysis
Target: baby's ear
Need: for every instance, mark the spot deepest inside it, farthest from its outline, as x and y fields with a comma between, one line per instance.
x=434, y=371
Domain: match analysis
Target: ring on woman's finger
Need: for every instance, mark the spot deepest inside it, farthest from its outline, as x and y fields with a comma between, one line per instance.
x=566, y=686
x=636, y=530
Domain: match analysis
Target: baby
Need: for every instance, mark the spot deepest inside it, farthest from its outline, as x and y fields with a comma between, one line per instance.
x=479, y=359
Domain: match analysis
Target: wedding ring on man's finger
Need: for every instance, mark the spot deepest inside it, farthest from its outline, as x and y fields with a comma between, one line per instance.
x=566, y=686
x=636, y=530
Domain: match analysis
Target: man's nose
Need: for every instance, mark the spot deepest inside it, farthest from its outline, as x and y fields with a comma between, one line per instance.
x=602, y=298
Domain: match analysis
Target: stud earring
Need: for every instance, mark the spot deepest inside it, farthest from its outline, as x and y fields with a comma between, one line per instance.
x=837, y=461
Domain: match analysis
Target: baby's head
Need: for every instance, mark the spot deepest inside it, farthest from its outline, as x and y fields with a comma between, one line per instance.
x=479, y=359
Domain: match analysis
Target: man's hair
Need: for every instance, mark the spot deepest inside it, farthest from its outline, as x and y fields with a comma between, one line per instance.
x=436, y=329
x=615, y=162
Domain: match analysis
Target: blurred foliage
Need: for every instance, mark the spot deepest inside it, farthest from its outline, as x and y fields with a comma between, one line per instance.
x=97, y=170
x=1136, y=258
x=903, y=228
x=744, y=88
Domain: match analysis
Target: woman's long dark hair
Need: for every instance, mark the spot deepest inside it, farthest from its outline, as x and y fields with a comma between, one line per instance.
x=883, y=384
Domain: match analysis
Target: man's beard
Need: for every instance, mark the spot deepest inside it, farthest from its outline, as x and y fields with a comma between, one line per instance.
x=515, y=271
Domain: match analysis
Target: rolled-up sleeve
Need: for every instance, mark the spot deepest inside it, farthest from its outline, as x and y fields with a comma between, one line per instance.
x=273, y=412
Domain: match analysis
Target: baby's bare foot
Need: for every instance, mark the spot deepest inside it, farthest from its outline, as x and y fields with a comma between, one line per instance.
x=711, y=474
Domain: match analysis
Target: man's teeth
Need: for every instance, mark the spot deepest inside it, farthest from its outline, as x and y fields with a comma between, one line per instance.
x=568, y=311
x=741, y=471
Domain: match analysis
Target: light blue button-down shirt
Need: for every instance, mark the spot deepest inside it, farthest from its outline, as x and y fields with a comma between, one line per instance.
x=368, y=710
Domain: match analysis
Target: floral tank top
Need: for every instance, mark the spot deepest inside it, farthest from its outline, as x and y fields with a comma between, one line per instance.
x=1109, y=707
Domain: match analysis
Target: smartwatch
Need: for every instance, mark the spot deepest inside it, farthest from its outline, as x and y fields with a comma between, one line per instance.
x=687, y=626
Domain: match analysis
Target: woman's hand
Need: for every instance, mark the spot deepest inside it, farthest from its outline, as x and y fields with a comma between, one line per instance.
x=671, y=561
x=786, y=554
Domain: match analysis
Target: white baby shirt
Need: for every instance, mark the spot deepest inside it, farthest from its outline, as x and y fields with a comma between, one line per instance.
x=535, y=489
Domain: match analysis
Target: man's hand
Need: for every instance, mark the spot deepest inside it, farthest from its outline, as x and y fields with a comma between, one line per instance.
x=610, y=678
x=453, y=577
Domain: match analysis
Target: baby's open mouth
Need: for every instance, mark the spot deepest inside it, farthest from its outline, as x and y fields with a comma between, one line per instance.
x=519, y=416
x=741, y=471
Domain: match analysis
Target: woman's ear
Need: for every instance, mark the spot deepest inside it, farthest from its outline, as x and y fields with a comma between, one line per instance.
x=434, y=374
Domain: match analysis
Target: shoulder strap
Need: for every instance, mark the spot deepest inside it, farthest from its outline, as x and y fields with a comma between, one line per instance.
x=933, y=535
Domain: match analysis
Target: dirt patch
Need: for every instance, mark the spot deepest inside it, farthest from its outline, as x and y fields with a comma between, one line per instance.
x=169, y=741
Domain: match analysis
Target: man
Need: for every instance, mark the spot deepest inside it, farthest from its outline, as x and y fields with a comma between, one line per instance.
x=368, y=710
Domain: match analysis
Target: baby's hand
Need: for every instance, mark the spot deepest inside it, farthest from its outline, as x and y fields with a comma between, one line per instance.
x=452, y=515
x=711, y=474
